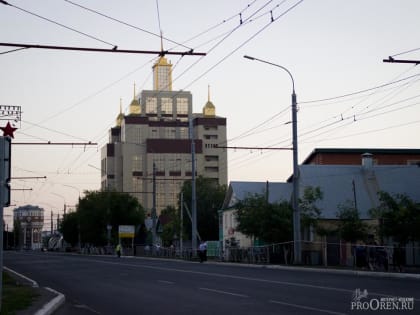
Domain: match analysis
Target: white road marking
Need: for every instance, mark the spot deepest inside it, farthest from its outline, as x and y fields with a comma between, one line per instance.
x=224, y=292
x=167, y=282
x=308, y=308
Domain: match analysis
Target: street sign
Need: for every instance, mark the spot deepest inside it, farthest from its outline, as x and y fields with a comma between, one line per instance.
x=126, y=231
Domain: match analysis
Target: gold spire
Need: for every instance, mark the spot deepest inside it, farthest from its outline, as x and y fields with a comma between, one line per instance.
x=208, y=93
x=135, y=107
x=209, y=109
x=120, y=116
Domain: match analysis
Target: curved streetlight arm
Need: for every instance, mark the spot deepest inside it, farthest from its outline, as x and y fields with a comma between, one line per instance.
x=276, y=65
x=297, y=252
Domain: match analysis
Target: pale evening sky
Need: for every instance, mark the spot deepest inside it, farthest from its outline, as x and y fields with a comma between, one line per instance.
x=331, y=47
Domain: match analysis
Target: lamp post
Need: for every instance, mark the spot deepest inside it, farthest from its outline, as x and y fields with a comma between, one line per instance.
x=295, y=200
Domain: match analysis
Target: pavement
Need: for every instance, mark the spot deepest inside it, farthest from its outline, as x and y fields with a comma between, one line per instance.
x=50, y=301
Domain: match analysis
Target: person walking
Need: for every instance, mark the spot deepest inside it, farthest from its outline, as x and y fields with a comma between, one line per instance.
x=202, y=251
x=118, y=250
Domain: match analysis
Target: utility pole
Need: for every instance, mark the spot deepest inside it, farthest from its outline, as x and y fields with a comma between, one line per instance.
x=297, y=251
x=154, y=208
x=193, y=193
x=181, y=210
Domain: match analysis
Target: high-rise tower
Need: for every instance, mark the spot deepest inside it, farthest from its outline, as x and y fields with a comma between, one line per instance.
x=155, y=132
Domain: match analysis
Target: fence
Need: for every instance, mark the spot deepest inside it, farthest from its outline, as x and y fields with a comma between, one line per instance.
x=369, y=257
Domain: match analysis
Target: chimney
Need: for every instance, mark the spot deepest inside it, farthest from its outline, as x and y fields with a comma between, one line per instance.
x=367, y=161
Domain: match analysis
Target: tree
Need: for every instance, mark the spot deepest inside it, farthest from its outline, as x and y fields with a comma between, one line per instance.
x=70, y=228
x=210, y=196
x=310, y=213
x=269, y=222
x=98, y=209
x=350, y=227
x=398, y=216
x=170, y=221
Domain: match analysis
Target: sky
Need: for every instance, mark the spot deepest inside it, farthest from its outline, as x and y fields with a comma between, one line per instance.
x=334, y=49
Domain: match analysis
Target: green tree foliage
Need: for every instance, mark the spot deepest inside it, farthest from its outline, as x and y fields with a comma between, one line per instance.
x=98, y=209
x=210, y=196
x=269, y=222
x=310, y=213
x=350, y=227
x=70, y=228
x=170, y=220
x=398, y=216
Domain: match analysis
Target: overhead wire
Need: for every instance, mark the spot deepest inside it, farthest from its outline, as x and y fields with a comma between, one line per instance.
x=358, y=92
x=59, y=24
x=405, y=52
x=125, y=23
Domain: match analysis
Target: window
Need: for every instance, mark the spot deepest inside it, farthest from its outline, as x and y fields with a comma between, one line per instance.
x=166, y=105
x=151, y=105
x=210, y=137
x=175, y=163
x=159, y=161
x=183, y=133
x=209, y=169
x=136, y=164
x=182, y=105
x=137, y=185
x=163, y=78
x=210, y=127
x=170, y=133
x=212, y=158
x=154, y=134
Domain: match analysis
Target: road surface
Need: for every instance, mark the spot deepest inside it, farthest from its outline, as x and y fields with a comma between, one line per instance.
x=109, y=285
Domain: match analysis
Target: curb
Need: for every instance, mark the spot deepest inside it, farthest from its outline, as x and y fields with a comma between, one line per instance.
x=34, y=283
x=50, y=307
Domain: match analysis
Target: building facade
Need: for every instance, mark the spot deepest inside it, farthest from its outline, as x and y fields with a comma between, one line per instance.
x=29, y=220
x=154, y=141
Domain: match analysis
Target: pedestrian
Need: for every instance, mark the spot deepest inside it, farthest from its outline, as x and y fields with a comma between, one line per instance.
x=202, y=251
x=118, y=250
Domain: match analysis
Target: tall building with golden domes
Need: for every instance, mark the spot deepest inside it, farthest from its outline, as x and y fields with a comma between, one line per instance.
x=155, y=132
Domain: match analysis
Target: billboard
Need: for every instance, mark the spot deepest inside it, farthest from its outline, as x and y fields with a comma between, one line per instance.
x=126, y=231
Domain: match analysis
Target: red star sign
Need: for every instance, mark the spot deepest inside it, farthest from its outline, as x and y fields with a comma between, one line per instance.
x=8, y=130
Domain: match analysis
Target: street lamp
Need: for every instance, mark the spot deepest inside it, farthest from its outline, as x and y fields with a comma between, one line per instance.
x=295, y=200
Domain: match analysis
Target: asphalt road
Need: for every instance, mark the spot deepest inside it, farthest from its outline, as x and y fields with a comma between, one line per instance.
x=108, y=285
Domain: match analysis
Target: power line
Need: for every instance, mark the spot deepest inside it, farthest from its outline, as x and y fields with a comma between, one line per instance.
x=405, y=52
x=360, y=91
x=240, y=46
x=57, y=23
x=124, y=23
